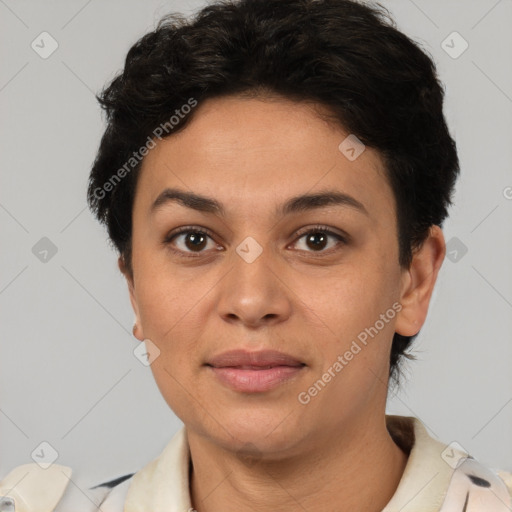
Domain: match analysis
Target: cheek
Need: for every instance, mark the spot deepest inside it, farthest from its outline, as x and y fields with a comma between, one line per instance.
x=351, y=306
x=178, y=388
x=175, y=305
x=166, y=296
x=170, y=316
x=355, y=296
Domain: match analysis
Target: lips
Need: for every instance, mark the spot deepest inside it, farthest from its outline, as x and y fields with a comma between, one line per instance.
x=263, y=359
x=254, y=372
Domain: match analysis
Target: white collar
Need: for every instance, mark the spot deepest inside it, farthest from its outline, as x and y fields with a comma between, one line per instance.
x=163, y=484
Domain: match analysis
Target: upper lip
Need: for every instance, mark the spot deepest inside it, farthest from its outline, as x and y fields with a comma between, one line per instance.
x=262, y=358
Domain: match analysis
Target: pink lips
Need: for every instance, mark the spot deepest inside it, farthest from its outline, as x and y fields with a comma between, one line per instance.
x=254, y=372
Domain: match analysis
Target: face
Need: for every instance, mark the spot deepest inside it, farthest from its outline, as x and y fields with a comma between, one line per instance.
x=264, y=271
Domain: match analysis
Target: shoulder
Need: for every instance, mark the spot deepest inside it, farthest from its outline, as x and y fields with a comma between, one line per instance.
x=116, y=491
x=105, y=497
x=54, y=488
x=506, y=476
x=475, y=485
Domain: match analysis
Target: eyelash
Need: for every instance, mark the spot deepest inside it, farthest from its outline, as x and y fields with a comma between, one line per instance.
x=203, y=231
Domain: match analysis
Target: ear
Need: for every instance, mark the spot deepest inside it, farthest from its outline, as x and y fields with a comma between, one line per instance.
x=418, y=283
x=138, y=332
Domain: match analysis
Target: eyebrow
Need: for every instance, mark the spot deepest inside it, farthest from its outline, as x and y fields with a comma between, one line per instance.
x=297, y=204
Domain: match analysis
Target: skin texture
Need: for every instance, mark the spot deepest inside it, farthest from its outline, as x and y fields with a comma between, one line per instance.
x=267, y=450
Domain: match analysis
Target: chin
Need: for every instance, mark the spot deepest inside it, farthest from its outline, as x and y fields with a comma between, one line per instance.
x=263, y=430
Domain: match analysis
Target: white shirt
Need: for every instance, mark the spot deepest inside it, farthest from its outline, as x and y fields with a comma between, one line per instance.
x=163, y=485
x=437, y=478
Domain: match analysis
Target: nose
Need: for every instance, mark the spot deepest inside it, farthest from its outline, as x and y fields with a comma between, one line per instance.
x=253, y=293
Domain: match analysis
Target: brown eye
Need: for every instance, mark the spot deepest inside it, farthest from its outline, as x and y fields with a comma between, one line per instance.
x=317, y=239
x=188, y=241
x=195, y=240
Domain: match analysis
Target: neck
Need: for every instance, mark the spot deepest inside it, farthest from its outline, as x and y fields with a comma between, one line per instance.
x=357, y=470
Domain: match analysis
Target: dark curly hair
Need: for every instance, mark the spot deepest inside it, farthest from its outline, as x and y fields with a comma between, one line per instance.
x=344, y=55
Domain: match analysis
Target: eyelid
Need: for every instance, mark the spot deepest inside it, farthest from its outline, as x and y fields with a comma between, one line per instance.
x=186, y=229
x=345, y=237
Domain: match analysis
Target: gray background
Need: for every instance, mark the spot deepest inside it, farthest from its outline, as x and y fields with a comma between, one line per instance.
x=68, y=375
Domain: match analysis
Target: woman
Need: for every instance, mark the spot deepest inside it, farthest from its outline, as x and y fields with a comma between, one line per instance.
x=274, y=176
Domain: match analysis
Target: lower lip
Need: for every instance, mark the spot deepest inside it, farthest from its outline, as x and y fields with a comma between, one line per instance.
x=255, y=381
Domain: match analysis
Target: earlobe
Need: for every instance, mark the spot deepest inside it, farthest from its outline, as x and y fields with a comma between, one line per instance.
x=418, y=283
x=137, y=328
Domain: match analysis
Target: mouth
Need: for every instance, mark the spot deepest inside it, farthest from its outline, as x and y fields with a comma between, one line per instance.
x=254, y=372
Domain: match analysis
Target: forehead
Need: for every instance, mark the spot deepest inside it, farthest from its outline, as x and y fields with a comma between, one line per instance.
x=253, y=154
